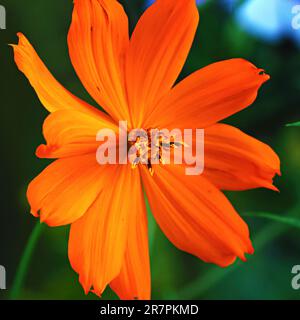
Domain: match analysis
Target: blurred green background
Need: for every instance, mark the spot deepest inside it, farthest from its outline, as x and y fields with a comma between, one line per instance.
x=267, y=274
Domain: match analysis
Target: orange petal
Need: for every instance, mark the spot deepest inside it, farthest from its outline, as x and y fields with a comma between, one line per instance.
x=50, y=92
x=236, y=161
x=196, y=216
x=70, y=133
x=134, y=280
x=158, y=49
x=209, y=95
x=98, y=240
x=98, y=39
x=65, y=190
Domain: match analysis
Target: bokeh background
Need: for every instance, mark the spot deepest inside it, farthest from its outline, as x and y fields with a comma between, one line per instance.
x=258, y=30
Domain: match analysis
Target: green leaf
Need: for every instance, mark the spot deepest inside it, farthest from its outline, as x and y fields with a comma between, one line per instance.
x=291, y=221
x=295, y=124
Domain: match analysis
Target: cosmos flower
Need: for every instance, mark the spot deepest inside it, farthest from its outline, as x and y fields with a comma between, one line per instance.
x=133, y=80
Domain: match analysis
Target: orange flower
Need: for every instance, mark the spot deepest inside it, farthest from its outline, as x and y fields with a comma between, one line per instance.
x=133, y=79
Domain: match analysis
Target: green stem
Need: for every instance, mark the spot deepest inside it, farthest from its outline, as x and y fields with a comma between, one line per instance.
x=295, y=124
x=290, y=221
x=22, y=269
x=151, y=226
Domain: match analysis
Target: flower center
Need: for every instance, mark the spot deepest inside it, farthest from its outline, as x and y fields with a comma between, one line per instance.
x=150, y=147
